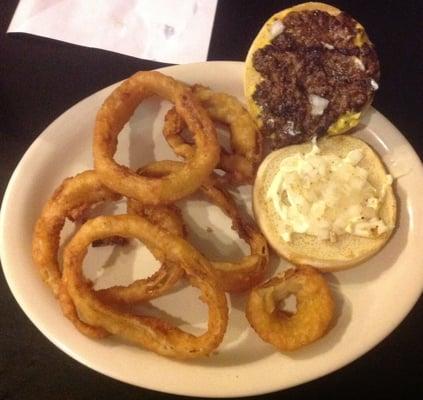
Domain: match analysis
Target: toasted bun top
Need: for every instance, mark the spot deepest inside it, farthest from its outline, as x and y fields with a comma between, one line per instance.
x=305, y=249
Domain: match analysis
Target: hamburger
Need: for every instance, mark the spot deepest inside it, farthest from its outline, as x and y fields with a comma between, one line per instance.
x=311, y=71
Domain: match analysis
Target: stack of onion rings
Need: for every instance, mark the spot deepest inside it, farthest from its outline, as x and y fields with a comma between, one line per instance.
x=153, y=218
x=233, y=276
x=149, y=332
x=246, y=141
x=77, y=193
x=116, y=111
x=80, y=193
x=110, y=181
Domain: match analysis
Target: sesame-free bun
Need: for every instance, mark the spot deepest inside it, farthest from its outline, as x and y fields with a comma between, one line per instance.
x=304, y=249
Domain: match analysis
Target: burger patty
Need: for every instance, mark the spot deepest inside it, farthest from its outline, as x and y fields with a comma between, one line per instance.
x=313, y=72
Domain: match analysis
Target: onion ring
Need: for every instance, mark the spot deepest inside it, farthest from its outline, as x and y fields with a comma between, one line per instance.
x=151, y=333
x=77, y=193
x=71, y=200
x=168, y=218
x=233, y=276
x=245, y=139
x=315, y=309
x=116, y=111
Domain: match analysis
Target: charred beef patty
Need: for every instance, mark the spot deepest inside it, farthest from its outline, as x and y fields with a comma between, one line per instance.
x=313, y=72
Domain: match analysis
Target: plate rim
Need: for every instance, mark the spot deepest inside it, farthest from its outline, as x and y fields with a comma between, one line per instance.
x=81, y=359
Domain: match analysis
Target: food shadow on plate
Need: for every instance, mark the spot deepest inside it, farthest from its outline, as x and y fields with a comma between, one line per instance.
x=241, y=346
x=141, y=128
x=363, y=122
x=104, y=257
x=361, y=128
x=68, y=232
x=276, y=264
x=388, y=255
x=339, y=325
x=208, y=237
x=102, y=270
x=70, y=228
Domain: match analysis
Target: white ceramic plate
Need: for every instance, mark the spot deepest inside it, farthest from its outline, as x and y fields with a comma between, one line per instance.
x=243, y=365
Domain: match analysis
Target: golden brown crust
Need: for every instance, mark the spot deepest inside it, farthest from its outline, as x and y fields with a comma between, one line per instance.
x=288, y=332
x=149, y=332
x=115, y=113
x=170, y=219
x=76, y=193
x=241, y=162
x=233, y=276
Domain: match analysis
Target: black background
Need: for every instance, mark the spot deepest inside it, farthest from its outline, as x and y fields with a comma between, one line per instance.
x=42, y=78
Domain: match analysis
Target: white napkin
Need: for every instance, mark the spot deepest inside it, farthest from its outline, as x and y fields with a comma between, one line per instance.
x=171, y=31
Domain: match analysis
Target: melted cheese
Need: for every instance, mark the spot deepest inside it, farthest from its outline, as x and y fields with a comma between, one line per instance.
x=326, y=196
x=344, y=123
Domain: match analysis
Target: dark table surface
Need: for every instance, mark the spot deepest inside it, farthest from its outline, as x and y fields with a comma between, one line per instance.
x=42, y=78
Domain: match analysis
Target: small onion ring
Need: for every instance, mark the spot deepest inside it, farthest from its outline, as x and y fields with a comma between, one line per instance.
x=315, y=309
x=149, y=332
x=116, y=111
x=233, y=276
x=245, y=138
